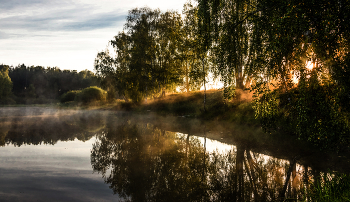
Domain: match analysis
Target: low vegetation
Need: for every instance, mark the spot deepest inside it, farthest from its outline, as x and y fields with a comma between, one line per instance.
x=69, y=96
x=191, y=105
x=39, y=85
x=89, y=95
x=328, y=187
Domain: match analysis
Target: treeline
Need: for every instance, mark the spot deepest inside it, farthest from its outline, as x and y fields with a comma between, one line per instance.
x=293, y=54
x=38, y=85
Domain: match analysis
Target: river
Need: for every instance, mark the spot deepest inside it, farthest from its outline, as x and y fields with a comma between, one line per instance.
x=49, y=154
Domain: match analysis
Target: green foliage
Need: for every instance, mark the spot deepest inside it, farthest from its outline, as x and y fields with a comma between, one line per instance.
x=85, y=96
x=283, y=36
x=226, y=30
x=312, y=111
x=266, y=106
x=330, y=187
x=5, y=84
x=69, y=96
x=111, y=95
x=318, y=117
x=195, y=58
x=31, y=91
x=37, y=84
x=229, y=92
x=91, y=94
x=244, y=42
x=147, y=58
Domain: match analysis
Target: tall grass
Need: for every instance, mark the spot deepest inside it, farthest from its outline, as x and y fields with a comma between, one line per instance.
x=191, y=104
x=329, y=187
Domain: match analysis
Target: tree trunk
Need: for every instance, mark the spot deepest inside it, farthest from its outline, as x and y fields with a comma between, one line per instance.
x=187, y=83
x=289, y=172
x=239, y=173
x=205, y=89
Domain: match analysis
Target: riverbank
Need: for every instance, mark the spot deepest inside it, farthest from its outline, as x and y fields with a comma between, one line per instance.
x=191, y=105
x=225, y=121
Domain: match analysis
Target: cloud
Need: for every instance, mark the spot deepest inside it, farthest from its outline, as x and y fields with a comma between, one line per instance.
x=67, y=22
x=95, y=22
x=38, y=15
x=64, y=33
x=7, y=5
x=4, y=35
x=30, y=17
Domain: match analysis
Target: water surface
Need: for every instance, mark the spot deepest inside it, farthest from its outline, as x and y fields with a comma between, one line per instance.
x=73, y=155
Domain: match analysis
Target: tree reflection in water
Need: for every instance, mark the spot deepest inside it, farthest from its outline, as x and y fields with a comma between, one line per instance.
x=44, y=128
x=141, y=162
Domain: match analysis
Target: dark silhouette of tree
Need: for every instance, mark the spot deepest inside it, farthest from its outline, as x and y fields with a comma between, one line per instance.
x=39, y=85
x=149, y=55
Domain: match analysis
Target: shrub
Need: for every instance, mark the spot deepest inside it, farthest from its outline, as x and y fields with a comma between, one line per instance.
x=6, y=83
x=69, y=96
x=91, y=94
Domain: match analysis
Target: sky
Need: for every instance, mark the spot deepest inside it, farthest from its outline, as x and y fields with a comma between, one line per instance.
x=64, y=33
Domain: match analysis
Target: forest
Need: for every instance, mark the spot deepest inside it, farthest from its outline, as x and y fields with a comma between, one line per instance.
x=38, y=85
x=293, y=55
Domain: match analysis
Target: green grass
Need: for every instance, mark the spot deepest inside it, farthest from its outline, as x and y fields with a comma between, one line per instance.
x=334, y=187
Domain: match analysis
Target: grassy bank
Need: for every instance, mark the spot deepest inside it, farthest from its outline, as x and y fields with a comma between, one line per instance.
x=192, y=105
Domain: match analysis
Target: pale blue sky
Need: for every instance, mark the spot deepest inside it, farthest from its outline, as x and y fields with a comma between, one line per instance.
x=64, y=33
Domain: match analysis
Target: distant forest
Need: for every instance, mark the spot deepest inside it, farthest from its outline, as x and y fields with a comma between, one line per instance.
x=38, y=85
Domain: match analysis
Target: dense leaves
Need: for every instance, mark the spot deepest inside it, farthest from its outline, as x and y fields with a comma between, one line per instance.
x=227, y=32
x=5, y=84
x=90, y=94
x=155, y=53
x=298, y=55
x=41, y=85
x=147, y=60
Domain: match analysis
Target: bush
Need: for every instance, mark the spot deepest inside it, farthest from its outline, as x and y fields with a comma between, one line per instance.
x=69, y=96
x=91, y=94
x=6, y=83
x=7, y=101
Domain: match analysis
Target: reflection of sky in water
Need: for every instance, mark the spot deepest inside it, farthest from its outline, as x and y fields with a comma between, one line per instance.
x=64, y=171
x=72, y=153
x=212, y=145
x=60, y=172
x=222, y=148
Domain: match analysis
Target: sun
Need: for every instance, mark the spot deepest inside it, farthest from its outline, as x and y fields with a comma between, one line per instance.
x=309, y=65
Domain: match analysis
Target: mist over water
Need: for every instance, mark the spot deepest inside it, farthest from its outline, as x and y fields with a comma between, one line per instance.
x=96, y=155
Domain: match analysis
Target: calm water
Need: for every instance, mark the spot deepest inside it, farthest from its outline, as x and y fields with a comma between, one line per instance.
x=71, y=155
